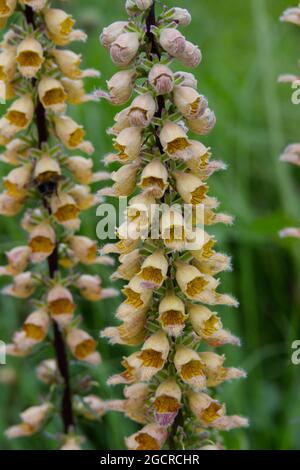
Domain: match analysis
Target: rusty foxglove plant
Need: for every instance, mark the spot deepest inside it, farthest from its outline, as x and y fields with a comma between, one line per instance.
x=292, y=153
x=171, y=292
x=50, y=184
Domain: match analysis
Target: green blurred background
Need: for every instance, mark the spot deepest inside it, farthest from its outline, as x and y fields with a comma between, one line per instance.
x=245, y=48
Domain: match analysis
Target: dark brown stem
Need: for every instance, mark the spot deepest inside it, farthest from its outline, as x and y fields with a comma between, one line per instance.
x=59, y=343
x=155, y=50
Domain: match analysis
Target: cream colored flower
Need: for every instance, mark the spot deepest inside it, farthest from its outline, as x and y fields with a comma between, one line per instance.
x=18, y=116
x=175, y=142
x=167, y=402
x=188, y=101
x=206, y=409
x=75, y=91
x=36, y=327
x=193, y=283
x=151, y=437
x=130, y=265
x=190, y=367
x=154, y=178
x=17, y=181
x=71, y=134
x=30, y=57
x=172, y=314
x=69, y=64
x=83, y=346
x=60, y=27
x=10, y=206
x=23, y=286
x=60, y=304
x=42, y=242
x=17, y=259
x=153, y=271
x=32, y=420
x=7, y=63
x=46, y=169
x=136, y=295
x=190, y=187
x=65, y=209
x=128, y=143
x=52, y=94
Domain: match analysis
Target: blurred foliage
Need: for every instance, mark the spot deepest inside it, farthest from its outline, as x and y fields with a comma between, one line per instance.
x=245, y=48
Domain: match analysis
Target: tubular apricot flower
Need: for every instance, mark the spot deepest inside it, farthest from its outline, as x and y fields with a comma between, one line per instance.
x=292, y=152
x=167, y=257
x=53, y=189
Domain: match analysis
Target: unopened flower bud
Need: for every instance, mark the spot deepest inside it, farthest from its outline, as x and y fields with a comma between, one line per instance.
x=191, y=55
x=142, y=110
x=204, y=124
x=187, y=79
x=112, y=32
x=161, y=78
x=180, y=15
x=172, y=41
x=120, y=86
x=124, y=49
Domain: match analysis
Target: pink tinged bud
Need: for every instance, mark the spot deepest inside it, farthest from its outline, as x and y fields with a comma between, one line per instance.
x=291, y=15
x=290, y=233
x=9, y=206
x=172, y=41
x=124, y=49
x=143, y=4
x=90, y=287
x=187, y=79
x=120, y=86
x=18, y=259
x=112, y=32
x=23, y=286
x=180, y=15
x=47, y=371
x=161, y=78
x=71, y=443
x=191, y=55
x=142, y=110
x=291, y=154
x=204, y=124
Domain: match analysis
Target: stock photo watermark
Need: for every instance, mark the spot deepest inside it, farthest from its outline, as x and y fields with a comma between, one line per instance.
x=141, y=220
x=2, y=353
x=296, y=93
x=2, y=92
x=296, y=352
